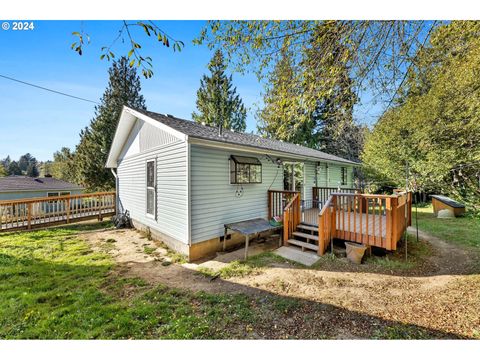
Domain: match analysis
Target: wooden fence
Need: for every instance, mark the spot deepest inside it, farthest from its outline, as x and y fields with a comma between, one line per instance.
x=47, y=211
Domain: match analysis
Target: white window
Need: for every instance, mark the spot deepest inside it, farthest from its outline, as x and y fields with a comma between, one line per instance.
x=151, y=188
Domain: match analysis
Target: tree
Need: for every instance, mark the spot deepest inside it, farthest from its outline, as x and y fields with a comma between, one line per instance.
x=126, y=34
x=32, y=170
x=14, y=169
x=95, y=140
x=377, y=52
x=326, y=125
x=25, y=161
x=63, y=165
x=435, y=127
x=6, y=162
x=218, y=103
x=3, y=171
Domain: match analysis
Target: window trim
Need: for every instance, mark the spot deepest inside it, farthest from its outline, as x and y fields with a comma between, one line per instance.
x=147, y=214
x=232, y=160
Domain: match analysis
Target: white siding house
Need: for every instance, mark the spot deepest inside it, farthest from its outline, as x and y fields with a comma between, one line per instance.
x=174, y=177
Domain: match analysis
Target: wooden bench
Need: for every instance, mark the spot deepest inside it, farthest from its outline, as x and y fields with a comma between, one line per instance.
x=441, y=202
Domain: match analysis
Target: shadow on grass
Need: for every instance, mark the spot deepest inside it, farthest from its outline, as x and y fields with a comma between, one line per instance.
x=52, y=286
x=54, y=300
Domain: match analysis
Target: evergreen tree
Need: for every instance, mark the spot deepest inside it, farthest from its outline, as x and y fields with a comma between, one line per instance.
x=95, y=140
x=329, y=126
x=14, y=169
x=32, y=170
x=218, y=103
x=3, y=171
x=6, y=162
x=63, y=165
x=25, y=161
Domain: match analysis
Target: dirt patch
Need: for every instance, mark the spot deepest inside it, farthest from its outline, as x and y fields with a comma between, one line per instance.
x=441, y=295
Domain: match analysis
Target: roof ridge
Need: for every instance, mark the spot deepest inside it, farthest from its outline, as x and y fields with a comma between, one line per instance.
x=241, y=138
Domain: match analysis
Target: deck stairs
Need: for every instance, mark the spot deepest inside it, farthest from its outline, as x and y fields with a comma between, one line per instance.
x=305, y=237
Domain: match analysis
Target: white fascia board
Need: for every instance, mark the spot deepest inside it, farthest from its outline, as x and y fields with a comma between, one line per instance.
x=255, y=150
x=158, y=124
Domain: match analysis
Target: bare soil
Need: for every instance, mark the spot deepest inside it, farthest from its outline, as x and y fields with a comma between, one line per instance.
x=442, y=294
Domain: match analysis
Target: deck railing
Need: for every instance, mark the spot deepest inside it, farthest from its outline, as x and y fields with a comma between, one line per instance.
x=321, y=194
x=47, y=211
x=374, y=220
x=291, y=217
x=277, y=200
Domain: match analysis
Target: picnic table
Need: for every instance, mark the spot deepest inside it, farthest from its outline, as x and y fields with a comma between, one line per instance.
x=250, y=228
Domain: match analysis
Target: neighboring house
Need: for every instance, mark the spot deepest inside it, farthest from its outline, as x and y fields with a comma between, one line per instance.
x=182, y=181
x=23, y=187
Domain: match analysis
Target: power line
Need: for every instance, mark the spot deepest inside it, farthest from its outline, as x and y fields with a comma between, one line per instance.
x=47, y=89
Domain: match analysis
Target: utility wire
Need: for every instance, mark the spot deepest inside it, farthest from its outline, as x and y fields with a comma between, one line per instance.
x=47, y=89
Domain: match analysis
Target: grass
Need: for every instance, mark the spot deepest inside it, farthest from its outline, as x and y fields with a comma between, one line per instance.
x=463, y=230
x=244, y=267
x=53, y=286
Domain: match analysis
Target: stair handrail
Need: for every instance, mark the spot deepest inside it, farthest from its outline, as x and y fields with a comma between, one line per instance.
x=291, y=217
x=326, y=224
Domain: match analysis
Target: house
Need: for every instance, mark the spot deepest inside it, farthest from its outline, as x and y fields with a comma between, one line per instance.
x=23, y=187
x=182, y=181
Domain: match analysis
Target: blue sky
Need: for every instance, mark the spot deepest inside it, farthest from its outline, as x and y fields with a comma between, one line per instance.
x=40, y=122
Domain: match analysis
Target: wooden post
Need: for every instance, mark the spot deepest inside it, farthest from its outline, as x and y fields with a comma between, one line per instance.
x=321, y=234
x=68, y=211
x=333, y=226
x=29, y=215
x=286, y=219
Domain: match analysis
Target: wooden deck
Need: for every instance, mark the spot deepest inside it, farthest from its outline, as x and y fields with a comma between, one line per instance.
x=371, y=224
x=49, y=211
x=370, y=219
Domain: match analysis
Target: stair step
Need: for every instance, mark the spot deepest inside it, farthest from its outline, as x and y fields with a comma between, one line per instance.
x=307, y=227
x=303, y=244
x=306, y=236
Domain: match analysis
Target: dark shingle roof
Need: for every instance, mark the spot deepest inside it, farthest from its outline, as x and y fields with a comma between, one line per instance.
x=193, y=129
x=448, y=201
x=25, y=183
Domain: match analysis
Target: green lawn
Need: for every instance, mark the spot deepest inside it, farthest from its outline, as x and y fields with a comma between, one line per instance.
x=53, y=286
x=462, y=230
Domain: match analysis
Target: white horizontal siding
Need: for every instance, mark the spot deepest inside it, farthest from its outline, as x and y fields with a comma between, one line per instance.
x=171, y=160
x=213, y=200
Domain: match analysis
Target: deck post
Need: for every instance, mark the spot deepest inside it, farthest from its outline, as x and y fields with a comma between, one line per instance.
x=29, y=215
x=389, y=223
x=286, y=216
x=321, y=234
x=333, y=225
x=68, y=211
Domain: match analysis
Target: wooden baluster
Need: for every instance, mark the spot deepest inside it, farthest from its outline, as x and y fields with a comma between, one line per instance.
x=355, y=218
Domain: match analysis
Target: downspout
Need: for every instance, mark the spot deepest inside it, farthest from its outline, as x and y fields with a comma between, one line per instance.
x=116, y=190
